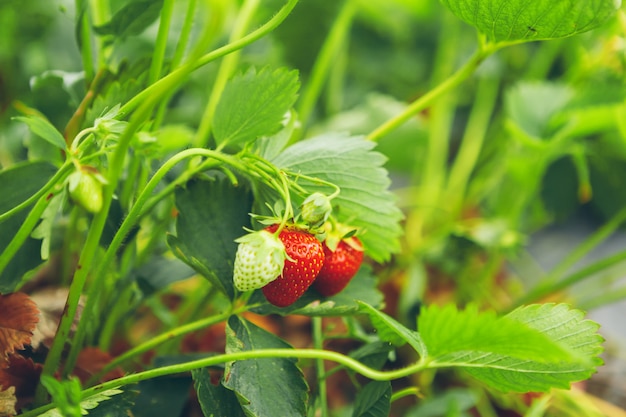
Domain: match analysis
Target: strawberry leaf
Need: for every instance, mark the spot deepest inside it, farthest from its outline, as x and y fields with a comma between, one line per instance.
x=523, y=20
x=18, y=319
x=132, y=19
x=254, y=104
x=215, y=400
x=534, y=348
x=374, y=400
x=211, y=216
x=365, y=201
x=43, y=128
x=264, y=387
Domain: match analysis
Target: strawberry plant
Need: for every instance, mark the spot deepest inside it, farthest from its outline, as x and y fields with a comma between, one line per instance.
x=284, y=208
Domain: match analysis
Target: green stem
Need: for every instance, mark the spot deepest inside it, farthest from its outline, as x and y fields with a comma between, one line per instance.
x=23, y=232
x=183, y=41
x=86, y=50
x=131, y=219
x=185, y=32
x=318, y=343
x=158, y=55
x=587, y=246
x=269, y=26
x=552, y=283
x=405, y=393
x=347, y=361
x=88, y=253
x=324, y=62
x=100, y=14
x=422, y=102
x=227, y=67
x=472, y=141
x=542, y=291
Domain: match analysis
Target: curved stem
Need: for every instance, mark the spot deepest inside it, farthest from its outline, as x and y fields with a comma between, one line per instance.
x=23, y=232
x=271, y=24
x=131, y=219
x=162, y=338
x=57, y=178
x=344, y=360
x=422, y=102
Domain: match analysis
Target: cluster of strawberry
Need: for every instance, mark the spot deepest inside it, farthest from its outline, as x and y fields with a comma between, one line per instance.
x=284, y=266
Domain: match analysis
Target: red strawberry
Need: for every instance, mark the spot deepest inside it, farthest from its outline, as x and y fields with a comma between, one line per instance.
x=339, y=267
x=305, y=257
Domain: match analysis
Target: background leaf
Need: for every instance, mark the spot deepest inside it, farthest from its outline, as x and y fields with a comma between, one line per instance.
x=374, y=400
x=211, y=216
x=361, y=288
x=132, y=19
x=365, y=200
x=254, y=104
x=17, y=184
x=523, y=20
x=265, y=387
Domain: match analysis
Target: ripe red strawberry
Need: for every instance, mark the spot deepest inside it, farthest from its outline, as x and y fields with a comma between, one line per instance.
x=339, y=267
x=305, y=257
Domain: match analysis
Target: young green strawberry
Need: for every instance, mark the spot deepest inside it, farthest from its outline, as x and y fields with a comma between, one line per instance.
x=305, y=257
x=340, y=265
x=260, y=258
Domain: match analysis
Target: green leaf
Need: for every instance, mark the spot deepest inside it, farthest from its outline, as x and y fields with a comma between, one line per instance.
x=389, y=330
x=266, y=387
x=361, y=288
x=211, y=216
x=524, y=20
x=505, y=354
x=374, y=400
x=446, y=330
x=215, y=400
x=160, y=272
x=44, y=129
x=254, y=104
x=365, y=201
x=44, y=229
x=17, y=184
x=132, y=19
x=163, y=396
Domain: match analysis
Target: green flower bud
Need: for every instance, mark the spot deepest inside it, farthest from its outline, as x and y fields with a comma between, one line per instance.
x=85, y=190
x=316, y=209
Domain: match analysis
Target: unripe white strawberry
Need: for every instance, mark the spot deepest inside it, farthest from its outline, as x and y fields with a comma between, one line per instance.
x=259, y=260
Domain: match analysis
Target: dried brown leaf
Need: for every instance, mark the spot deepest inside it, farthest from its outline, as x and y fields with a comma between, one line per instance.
x=22, y=374
x=7, y=402
x=92, y=360
x=18, y=318
x=51, y=304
